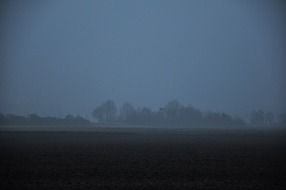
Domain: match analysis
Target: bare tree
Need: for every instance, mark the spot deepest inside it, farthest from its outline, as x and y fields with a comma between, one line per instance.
x=127, y=112
x=106, y=111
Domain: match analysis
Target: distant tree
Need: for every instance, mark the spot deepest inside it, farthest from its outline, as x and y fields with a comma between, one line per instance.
x=191, y=116
x=2, y=115
x=269, y=118
x=226, y=120
x=69, y=117
x=127, y=112
x=15, y=119
x=144, y=115
x=238, y=121
x=2, y=118
x=34, y=117
x=258, y=117
x=172, y=110
x=282, y=119
x=98, y=113
x=212, y=119
x=79, y=120
x=172, y=114
x=106, y=111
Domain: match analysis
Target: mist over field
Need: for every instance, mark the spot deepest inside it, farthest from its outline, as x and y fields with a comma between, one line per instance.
x=142, y=94
x=67, y=57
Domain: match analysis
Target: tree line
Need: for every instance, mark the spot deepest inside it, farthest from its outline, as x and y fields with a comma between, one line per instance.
x=176, y=114
x=262, y=118
x=173, y=114
x=34, y=119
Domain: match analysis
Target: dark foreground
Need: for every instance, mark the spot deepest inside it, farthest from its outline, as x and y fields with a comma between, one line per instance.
x=143, y=159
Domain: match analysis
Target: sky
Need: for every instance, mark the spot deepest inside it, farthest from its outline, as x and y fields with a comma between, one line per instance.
x=68, y=56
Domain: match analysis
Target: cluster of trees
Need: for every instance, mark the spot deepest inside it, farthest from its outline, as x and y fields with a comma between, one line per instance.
x=172, y=114
x=262, y=118
x=34, y=119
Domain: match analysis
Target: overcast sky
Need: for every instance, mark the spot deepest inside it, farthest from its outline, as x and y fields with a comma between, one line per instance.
x=67, y=56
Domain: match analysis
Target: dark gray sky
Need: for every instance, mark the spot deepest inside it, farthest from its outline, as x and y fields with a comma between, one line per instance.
x=67, y=56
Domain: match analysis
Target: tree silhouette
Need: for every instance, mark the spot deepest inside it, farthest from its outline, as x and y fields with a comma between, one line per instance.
x=127, y=112
x=172, y=110
x=282, y=119
x=172, y=114
x=258, y=117
x=106, y=111
x=269, y=118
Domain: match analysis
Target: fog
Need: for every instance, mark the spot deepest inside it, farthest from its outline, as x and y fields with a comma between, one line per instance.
x=142, y=94
x=68, y=56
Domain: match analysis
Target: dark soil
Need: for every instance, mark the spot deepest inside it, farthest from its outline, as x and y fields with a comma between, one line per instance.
x=161, y=159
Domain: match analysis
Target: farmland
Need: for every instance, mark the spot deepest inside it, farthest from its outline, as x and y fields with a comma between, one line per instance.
x=143, y=158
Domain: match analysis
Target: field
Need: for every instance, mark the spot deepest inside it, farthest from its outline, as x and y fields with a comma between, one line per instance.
x=126, y=158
